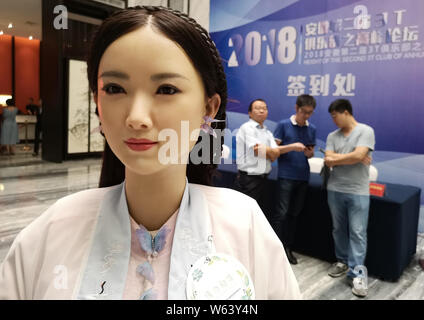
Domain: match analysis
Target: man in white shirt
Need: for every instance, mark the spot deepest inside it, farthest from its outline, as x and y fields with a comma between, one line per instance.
x=256, y=149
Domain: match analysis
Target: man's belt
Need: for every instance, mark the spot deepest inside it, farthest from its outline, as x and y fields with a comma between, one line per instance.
x=263, y=176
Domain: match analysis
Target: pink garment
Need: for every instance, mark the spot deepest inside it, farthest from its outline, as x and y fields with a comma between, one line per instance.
x=136, y=284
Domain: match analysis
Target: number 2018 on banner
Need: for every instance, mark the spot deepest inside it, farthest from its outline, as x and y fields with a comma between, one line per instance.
x=280, y=47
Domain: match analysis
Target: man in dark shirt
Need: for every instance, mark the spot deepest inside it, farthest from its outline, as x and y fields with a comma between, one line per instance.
x=31, y=107
x=35, y=110
x=296, y=139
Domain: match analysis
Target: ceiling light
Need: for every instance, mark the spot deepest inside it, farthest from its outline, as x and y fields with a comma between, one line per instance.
x=30, y=37
x=10, y=25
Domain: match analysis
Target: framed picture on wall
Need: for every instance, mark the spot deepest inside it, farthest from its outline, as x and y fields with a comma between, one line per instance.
x=83, y=124
x=78, y=107
x=97, y=142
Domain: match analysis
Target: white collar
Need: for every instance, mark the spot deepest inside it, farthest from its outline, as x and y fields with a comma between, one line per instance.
x=293, y=121
x=257, y=124
x=107, y=262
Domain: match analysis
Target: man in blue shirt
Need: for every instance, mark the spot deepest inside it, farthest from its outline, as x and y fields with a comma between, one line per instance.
x=296, y=139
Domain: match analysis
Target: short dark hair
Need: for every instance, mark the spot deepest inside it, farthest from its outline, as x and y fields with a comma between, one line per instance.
x=306, y=100
x=340, y=106
x=251, y=104
x=10, y=102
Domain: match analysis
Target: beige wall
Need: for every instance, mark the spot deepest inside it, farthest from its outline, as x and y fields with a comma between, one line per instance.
x=199, y=9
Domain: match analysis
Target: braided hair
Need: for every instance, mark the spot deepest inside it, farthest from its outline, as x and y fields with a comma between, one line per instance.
x=201, y=50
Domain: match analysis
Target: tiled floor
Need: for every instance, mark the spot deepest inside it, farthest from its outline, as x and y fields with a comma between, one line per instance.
x=29, y=185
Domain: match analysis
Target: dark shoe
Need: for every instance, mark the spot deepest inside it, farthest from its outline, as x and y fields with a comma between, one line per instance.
x=338, y=269
x=421, y=263
x=349, y=281
x=291, y=257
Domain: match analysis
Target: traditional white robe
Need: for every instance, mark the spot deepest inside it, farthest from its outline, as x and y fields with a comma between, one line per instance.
x=48, y=259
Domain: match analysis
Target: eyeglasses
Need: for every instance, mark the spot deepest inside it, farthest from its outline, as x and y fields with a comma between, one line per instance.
x=261, y=109
x=307, y=113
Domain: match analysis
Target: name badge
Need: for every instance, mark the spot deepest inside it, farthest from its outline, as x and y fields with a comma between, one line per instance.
x=219, y=276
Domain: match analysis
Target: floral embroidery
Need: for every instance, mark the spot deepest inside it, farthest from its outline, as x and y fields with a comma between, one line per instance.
x=149, y=244
x=146, y=270
x=205, y=127
x=247, y=294
x=113, y=249
x=152, y=246
x=211, y=260
x=149, y=294
x=197, y=274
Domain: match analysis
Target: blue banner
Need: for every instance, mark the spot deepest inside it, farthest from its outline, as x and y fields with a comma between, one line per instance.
x=370, y=52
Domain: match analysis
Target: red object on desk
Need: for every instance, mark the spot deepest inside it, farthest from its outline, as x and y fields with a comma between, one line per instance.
x=377, y=189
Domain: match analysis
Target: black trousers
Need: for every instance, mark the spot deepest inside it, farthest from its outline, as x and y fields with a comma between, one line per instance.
x=291, y=200
x=37, y=136
x=252, y=185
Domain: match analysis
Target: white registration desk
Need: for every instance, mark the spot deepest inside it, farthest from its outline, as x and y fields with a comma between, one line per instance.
x=24, y=120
